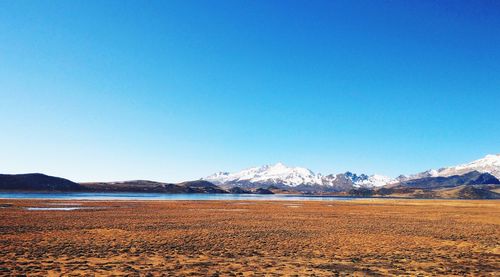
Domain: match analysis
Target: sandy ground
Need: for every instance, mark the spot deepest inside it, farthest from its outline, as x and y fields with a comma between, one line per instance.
x=245, y=238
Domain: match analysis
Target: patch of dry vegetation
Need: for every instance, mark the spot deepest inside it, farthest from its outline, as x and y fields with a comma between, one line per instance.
x=230, y=238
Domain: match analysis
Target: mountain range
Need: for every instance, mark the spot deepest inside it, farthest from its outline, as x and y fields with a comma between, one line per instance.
x=475, y=180
x=305, y=180
x=489, y=164
x=299, y=178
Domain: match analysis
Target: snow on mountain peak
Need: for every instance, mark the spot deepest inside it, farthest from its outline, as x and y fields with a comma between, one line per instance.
x=488, y=160
x=280, y=174
x=489, y=164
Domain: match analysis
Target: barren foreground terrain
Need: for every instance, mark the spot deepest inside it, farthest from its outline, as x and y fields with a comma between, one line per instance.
x=230, y=238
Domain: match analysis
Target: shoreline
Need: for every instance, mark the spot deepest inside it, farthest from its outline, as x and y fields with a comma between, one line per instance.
x=148, y=196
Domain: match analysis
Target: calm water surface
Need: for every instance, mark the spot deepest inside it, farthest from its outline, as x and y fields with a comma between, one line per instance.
x=162, y=196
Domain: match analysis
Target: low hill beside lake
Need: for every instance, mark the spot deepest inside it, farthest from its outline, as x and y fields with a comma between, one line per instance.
x=37, y=182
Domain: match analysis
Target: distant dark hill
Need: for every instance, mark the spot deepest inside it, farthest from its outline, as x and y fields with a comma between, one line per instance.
x=238, y=190
x=41, y=182
x=471, y=192
x=198, y=184
x=37, y=182
x=361, y=192
x=202, y=186
x=154, y=187
x=263, y=191
x=471, y=178
x=135, y=186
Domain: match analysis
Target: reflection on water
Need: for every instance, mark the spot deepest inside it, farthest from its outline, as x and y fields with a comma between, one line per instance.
x=162, y=196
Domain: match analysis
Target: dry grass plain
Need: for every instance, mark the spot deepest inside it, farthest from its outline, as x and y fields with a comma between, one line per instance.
x=245, y=238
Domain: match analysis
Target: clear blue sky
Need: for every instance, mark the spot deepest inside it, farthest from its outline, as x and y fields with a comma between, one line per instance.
x=176, y=90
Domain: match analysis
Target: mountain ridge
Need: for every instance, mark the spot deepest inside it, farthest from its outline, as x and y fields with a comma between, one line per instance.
x=45, y=183
x=488, y=164
x=302, y=178
x=474, y=179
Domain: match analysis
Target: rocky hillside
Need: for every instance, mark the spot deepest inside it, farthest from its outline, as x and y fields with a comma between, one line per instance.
x=471, y=178
x=472, y=185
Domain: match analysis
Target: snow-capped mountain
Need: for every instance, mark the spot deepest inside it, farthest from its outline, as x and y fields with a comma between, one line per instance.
x=268, y=174
x=280, y=175
x=283, y=176
x=374, y=181
x=489, y=164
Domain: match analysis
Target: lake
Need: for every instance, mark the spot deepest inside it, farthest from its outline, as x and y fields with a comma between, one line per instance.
x=163, y=196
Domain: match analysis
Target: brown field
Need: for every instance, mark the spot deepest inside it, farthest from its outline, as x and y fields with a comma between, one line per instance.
x=232, y=238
